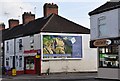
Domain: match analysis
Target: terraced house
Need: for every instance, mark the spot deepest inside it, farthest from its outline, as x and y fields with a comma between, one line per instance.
x=48, y=44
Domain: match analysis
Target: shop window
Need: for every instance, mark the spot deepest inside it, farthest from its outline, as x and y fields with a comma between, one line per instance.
x=115, y=49
x=102, y=27
x=109, y=57
x=30, y=63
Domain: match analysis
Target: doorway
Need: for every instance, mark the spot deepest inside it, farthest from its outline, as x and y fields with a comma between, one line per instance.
x=38, y=66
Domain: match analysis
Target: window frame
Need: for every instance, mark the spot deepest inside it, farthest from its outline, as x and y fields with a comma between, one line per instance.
x=32, y=41
x=7, y=46
x=20, y=45
x=101, y=24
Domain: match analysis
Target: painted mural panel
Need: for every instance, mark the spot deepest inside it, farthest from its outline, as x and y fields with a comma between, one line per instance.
x=62, y=46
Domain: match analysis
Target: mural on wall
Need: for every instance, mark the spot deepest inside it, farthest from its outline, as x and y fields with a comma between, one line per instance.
x=59, y=46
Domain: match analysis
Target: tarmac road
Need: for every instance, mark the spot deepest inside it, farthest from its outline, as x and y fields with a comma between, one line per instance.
x=57, y=80
x=56, y=77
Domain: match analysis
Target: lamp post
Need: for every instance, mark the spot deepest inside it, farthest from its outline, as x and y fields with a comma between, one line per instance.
x=14, y=69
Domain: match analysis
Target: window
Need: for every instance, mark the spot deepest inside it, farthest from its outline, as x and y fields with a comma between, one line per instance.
x=102, y=27
x=30, y=63
x=17, y=58
x=108, y=57
x=7, y=61
x=31, y=41
x=20, y=61
x=7, y=46
x=11, y=61
x=20, y=44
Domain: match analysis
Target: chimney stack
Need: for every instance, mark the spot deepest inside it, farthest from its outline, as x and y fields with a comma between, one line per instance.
x=50, y=8
x=13, y=23
x=2, y=26
x=27, y=17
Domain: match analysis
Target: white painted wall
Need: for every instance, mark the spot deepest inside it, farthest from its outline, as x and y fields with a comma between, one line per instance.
x=37, y=41
x=87, y=64
x=111, y=23
x=108, y=73
x=119, y=21
x=26, y=43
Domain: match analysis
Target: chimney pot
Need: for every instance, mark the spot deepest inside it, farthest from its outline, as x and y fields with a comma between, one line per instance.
x=13, y=23
x=50, y=8
x=2, y=26
x=27, y=17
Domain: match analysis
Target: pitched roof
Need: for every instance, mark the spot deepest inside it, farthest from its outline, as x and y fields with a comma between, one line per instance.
x=58, y=24
x=53, y=23
x=105, y=7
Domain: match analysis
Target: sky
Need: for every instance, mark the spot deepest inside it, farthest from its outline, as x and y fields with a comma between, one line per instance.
x=73, y=10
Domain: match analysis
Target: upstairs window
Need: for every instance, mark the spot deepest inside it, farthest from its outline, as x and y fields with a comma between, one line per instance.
x=7, y=46
x=20, y=44
x=31, y=41
x=102, y=29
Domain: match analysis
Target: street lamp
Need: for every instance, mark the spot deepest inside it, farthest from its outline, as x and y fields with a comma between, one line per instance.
x=14, y=69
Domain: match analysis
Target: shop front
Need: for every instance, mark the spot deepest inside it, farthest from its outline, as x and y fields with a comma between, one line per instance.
x=29, y=65
x=32, y=63
x=108, y=57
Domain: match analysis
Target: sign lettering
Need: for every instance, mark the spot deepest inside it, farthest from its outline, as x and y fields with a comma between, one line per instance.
x=116, y=41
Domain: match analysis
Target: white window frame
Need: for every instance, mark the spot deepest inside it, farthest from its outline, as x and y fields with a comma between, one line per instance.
x=101, y=19
x=20, y=42
x=32, y=41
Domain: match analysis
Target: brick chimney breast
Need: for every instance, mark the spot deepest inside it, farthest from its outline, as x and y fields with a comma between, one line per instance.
x=50, y=8
x=27, y=17
x=2, y=26
x=13, y=23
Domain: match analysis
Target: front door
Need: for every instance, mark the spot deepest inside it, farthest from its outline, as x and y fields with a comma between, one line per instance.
x=29, y=65
x=38, y=66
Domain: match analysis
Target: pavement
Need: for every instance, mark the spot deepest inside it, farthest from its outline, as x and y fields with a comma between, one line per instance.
x=57, y=76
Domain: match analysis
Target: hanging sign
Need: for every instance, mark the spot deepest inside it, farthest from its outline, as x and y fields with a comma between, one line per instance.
x=37, y=56
x=102, y=42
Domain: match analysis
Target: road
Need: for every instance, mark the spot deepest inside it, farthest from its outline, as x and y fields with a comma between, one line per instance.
x=57, y=80
x=56, y=77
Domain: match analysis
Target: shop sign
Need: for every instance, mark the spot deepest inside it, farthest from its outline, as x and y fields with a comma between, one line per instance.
x=37, y=56
x=117, y=42
x=102, y=42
